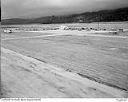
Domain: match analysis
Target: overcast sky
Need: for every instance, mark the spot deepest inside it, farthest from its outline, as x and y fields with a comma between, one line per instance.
x=38, y=8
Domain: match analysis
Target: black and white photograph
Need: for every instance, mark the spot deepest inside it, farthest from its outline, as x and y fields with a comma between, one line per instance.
x=64, y=49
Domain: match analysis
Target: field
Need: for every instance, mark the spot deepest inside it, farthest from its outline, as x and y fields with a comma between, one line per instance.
x=102, y=25
x=69, y=63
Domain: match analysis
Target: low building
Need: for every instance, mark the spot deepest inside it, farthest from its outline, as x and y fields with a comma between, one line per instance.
x=63, y=28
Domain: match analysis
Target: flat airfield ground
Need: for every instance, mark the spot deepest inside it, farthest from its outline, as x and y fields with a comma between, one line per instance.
x=101, y=59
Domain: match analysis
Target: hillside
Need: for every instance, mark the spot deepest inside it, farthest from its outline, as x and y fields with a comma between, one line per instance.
x=87, y=17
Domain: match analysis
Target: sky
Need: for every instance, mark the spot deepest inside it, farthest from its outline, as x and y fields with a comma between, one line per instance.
x=40, y=8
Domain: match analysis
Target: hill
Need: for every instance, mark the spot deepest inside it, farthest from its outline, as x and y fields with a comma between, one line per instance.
x=120, y=14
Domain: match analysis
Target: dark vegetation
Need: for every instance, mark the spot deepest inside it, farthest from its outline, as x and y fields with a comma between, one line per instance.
x=88, y=17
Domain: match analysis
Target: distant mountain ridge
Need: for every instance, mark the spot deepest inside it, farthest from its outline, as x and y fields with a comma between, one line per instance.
x=120, y=14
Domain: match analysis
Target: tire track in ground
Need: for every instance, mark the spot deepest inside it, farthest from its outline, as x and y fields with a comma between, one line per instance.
x=61, y=82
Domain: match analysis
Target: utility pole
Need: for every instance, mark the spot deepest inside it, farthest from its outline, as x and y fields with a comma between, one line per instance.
x=98, y=26
x=99, y=23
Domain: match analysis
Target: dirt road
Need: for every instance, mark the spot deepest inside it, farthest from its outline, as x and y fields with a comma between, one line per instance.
x=101, y=58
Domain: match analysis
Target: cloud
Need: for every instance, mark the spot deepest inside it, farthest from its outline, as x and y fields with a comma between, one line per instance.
x=37, y=8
